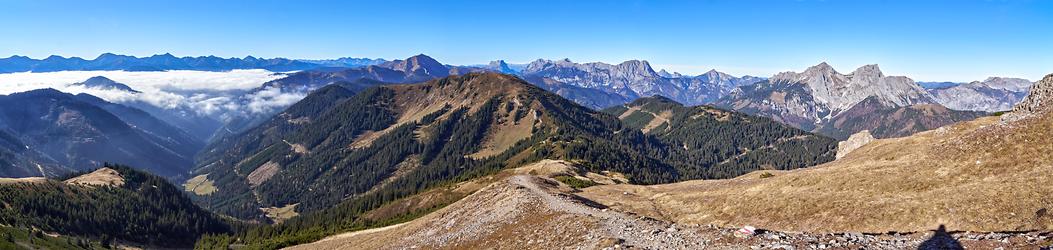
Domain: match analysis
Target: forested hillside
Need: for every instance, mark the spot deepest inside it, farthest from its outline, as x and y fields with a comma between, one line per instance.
x=138, y=207
x=718, y=143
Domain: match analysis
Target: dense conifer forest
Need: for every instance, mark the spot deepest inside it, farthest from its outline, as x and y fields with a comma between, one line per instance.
x=146, y=209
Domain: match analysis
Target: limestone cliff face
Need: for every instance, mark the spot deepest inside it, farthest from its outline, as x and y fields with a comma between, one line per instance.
x=630, y=80
x=812, y=98
x=1040, y=97
x=840, y=92
x=854, y=142
x=992, y=95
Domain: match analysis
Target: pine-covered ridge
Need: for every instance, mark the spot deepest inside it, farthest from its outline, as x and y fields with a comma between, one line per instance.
x=718, y=143
x=118, y=204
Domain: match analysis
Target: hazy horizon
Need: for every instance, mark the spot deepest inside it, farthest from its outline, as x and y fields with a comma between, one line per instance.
x=957, y=41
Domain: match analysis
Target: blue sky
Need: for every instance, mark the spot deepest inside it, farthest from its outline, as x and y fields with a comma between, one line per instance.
x=928, y=40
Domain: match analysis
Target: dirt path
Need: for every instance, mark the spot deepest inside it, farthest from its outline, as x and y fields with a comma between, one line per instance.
x=528, y=212
x=344, y=236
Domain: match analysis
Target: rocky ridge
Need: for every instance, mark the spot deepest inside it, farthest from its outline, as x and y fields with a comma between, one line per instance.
x=1039, y=99
x=839, y=92
x=991, y=95
x=632, y=79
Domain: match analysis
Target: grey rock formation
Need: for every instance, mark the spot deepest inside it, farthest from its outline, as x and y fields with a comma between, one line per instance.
x=500, y=66
x=838, y=92
x=854, y=142
x=1039, y=99
x=634, y=79
x=991, y=95
x=666, y=74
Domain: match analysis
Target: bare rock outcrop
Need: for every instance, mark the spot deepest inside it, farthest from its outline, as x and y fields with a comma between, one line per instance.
x=1039, y=99
x=853, y=142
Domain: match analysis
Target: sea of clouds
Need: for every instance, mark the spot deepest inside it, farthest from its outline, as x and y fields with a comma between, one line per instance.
x=208, y=93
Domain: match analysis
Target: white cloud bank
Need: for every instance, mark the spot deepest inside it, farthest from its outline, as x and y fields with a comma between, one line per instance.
x=204, y=92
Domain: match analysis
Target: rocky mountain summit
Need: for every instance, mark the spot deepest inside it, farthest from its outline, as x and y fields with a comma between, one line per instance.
x=666, y=74
x=500, y=66
x=838, y=92
x=630, y=80
x=822, y=100
x=992, y=94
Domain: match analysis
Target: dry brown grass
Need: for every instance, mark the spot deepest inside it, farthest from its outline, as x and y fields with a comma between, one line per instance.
x=4, y=181
x=507, y=131
x=100, y=177
x=979, y=175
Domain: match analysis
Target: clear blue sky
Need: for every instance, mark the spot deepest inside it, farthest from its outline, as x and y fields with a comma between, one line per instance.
x=927, y=40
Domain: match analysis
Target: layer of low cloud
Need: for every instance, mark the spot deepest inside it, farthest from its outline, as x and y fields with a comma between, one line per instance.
x=217, y=94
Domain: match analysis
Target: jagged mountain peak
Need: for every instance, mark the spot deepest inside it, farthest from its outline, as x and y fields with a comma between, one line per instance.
x=714, y=74
x=500, y=66
x=665, y=74
x=821, y=67
x=498, y=63
x=869, y=70
x=637, y=67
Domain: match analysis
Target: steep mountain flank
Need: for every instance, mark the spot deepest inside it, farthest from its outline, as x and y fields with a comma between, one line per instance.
x=885, y=122
x=726, y=143
x=59, y=132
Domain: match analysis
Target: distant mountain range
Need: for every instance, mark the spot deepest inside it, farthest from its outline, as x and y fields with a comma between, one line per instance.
x=627, y=81
x=823, y=100
x=345, y=62
x=109, y=61
x=816, y=96
x=992, y=94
